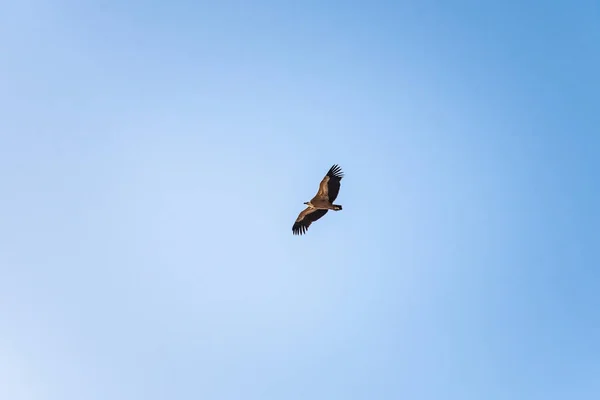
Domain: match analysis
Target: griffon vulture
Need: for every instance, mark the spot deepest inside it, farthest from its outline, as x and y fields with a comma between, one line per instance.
x=322, y=202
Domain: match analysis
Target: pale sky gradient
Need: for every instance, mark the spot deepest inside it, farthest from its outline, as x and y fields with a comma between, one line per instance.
x=154, y=155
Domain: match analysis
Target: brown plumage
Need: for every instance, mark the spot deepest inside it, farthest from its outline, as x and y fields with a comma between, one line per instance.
x=322, y=202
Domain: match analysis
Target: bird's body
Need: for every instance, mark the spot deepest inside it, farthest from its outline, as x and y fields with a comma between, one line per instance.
x=322, y=202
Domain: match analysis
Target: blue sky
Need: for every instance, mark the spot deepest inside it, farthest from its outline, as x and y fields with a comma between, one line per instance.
x=154, y=155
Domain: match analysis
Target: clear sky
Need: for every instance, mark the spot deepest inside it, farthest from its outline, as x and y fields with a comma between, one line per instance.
x=154, y=156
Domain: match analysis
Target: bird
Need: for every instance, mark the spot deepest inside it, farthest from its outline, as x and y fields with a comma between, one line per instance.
x=322, y=202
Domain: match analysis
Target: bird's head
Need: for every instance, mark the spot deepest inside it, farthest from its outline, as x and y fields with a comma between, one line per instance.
x=308, y=203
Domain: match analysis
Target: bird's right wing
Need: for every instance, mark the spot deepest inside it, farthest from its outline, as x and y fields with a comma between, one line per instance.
x=305, y=218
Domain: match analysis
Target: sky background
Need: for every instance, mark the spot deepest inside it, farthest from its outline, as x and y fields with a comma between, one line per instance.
x=154, y=156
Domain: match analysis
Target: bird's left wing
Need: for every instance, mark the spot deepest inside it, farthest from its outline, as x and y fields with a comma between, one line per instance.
x=330, y=185
x=324, y=188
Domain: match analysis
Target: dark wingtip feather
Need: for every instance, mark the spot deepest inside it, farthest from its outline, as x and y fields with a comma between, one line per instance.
x=335, y=171
x=298, y=228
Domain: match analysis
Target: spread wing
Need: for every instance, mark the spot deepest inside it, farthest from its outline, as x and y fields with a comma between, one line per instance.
x=305, y=218
x=330, y=185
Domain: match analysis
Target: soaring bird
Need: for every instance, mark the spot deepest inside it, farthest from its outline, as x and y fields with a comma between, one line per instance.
x=322, y=202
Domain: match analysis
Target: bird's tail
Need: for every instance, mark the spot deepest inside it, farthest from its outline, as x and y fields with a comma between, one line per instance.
x=337, y=207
